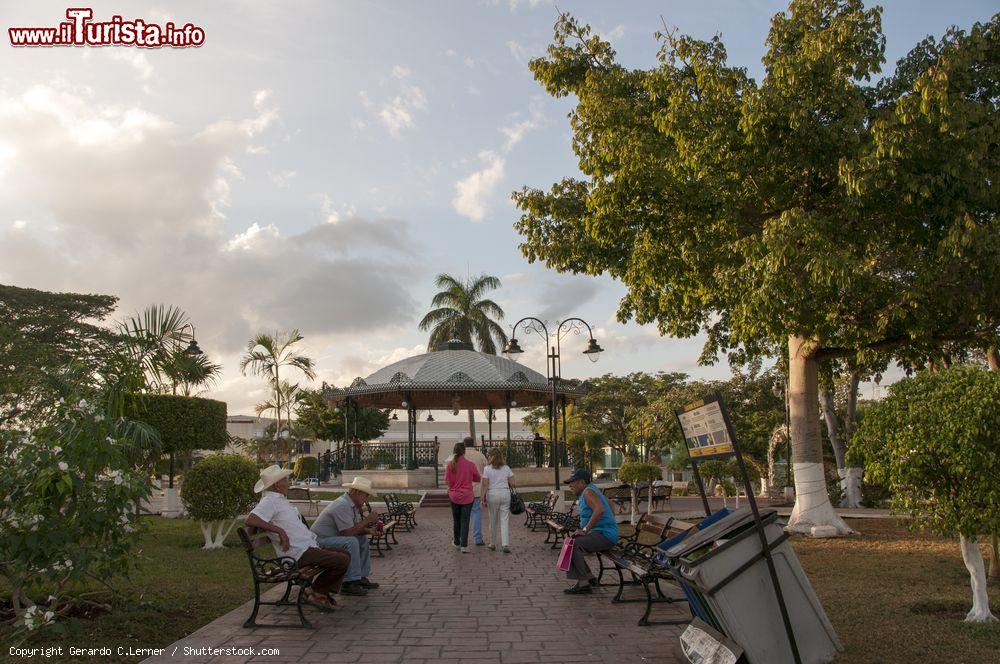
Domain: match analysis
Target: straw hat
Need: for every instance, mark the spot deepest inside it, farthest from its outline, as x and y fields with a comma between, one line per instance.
x=270, y=475
x=362, y=484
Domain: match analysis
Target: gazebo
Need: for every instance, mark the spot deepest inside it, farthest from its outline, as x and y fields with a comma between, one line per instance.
x=454, y=377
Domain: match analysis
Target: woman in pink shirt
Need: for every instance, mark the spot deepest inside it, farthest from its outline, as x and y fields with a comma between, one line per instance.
x=460, y=473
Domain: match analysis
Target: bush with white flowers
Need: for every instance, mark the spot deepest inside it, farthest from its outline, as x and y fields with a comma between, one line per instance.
x=69, y=488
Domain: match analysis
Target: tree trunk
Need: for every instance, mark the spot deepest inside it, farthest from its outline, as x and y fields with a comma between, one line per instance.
x=472, y=424
x=812, y=502
x=634, y=511
x=216, y=539
x=828, y=406
x=994, y=574
x=972, y=556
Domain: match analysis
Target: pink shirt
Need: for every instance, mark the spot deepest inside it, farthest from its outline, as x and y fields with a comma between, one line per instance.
x=460, y=481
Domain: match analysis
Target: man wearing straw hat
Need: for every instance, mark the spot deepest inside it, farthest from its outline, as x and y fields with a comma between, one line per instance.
x=340, y=526
x=290, y=537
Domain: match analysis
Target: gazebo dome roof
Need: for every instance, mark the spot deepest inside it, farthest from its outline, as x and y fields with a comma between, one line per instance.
x=454, y=373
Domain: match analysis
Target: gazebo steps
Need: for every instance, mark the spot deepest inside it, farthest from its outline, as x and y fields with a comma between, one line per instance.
x=435, y=499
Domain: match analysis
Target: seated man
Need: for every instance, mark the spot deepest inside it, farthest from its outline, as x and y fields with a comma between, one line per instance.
x=290, y=537
x=340, y=526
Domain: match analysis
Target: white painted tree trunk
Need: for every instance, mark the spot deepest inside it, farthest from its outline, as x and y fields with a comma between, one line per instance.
x=972, y=556
x=215, y=539
x=850, y=481
x=634, y=514
x=812, y=502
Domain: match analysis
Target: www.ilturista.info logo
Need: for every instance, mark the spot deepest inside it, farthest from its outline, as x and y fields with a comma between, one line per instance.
x=80, y=30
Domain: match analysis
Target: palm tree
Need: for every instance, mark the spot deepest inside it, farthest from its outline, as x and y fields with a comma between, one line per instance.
x=461, y=312
x=266, y=355
x=290, y=395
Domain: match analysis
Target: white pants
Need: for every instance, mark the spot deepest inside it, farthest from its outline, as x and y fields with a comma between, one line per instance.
x=499, y=507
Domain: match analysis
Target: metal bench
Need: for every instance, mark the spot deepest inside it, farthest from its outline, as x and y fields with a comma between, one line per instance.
x=280, y=569
x=619, y=496
x=561, y=524
x=376, y=539
x=303, y=494
x=536, y=513
x=660, y=496
x=401, y=511
x=639, y=560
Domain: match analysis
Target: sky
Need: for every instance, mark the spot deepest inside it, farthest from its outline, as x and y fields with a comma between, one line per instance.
x=315, y=165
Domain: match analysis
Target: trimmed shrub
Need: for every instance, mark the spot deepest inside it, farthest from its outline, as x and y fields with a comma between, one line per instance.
x=218, y=490
x=305, y=467
x=184, y=423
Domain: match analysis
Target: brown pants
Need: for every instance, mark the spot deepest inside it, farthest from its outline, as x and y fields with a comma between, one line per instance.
x=334, y=566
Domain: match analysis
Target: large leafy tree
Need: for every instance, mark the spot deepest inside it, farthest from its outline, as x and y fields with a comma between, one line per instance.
x=268, y=355
x=935, y=441
x=809, y=213
x=462, y=311
x=40, y=334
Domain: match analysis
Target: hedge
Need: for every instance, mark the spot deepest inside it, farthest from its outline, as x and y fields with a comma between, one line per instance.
x=220, y=487
x=184, y=423
x=305, y=467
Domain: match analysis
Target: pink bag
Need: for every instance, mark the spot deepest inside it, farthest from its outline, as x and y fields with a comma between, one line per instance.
x=566, y=555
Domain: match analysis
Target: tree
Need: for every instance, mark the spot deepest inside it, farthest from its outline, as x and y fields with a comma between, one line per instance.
x=461, y=311
x=935, y=440
x=327, y=423
x=267, y=355
x=40, y=334
x=216, y=491
x=611, y=407
x=809, y=213
x=306, y=467
x=633, y=473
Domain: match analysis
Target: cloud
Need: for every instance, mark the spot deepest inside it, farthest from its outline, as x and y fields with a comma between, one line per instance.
x=397, y=113
x=132, y=204
x=520, y=52
x=616, y=32
x=282, y=178
x=472, y=191
x=136, y=58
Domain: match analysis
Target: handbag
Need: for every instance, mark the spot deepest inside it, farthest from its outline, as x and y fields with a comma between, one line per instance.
x=566, y=555
x=516, y=503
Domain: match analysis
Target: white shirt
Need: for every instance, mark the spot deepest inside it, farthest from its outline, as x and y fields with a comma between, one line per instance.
x=476, y=457
x=276, y=510
x=498, y=477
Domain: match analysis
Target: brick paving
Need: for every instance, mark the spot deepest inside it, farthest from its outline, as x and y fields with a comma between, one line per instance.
x=437, y=604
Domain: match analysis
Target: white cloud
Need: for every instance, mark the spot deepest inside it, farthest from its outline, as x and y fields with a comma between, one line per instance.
x=519, y=51
x=400, y=72
x=135, y=57
x=616, y=32
x=133, y=206
x=397, y=114
x=282, y=178
x=472, y=191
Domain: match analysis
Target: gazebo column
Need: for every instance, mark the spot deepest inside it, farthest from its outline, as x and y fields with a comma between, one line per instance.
x=507, y=405
x=489, y=423
x=411, y=434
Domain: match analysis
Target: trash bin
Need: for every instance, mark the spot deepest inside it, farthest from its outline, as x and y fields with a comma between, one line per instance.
x=723, y=568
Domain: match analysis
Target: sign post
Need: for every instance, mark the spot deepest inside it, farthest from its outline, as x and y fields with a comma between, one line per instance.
x=708, y=434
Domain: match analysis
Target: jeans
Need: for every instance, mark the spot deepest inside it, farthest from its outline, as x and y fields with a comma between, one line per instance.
x=359, y=548
x=477, y=521
x=460, y=523
x=498, y=503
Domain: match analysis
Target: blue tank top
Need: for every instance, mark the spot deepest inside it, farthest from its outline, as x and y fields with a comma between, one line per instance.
x=607, y=525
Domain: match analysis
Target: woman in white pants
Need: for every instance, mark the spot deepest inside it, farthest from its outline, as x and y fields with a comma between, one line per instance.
x=498, y=479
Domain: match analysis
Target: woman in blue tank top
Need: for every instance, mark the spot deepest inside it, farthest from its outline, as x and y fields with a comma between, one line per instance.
x=598, y=530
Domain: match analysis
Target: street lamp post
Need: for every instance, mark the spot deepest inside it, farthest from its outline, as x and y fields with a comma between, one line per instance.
x=593, y=351
x=192, y=350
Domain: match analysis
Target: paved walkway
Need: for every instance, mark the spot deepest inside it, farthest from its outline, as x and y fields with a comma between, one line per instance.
x=439, y=605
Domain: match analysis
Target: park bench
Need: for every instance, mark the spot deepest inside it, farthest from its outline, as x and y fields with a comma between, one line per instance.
x=535, y=513
x=389, y=523
x=561, y=524
x=639, y=560
x=619, y=496
x=660, y=496
x=679, y=488
x=279, y=569
x=401, y=511
x=303, y=494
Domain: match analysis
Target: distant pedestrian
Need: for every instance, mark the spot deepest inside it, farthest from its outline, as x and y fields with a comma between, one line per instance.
x=498, y=480
x=460, y=474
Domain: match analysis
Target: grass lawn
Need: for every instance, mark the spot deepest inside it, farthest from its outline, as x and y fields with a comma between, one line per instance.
x=893, y=597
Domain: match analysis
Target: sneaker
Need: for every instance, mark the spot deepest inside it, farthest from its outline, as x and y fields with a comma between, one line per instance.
x=367, y=583
x=465, y=549
x=592, y=582
x=492, y=547
x=577, y=590
x=353, y=588
x=480, y=543
x=456, y=545
x=506, y=549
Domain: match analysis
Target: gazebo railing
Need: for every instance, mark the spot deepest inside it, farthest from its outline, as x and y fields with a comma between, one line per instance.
x=389, y=455
x=525, y=452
